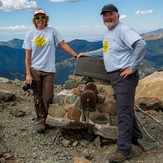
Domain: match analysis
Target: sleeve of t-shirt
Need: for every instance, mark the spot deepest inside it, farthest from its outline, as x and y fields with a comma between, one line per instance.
x=130, y=37
x=96, y=53
x=27, y=42
x=57, y=37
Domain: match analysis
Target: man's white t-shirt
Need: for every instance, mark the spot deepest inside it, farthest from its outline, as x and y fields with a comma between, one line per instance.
x=117, y=47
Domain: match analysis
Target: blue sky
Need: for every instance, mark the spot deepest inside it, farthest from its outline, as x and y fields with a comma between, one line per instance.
x=77, y=19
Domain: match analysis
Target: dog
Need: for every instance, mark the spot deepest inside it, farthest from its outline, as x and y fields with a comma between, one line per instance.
x=88, y=99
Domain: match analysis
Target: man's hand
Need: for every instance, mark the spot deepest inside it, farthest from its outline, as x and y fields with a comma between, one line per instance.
x=80, y=55
x=127, y=71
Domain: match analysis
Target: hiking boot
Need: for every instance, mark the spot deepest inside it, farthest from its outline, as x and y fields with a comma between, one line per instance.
x=119, y=157
x=49, y=126
x=41, y=126
x=135, y=142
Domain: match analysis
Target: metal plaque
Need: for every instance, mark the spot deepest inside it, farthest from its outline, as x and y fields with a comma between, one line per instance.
x=91, y=67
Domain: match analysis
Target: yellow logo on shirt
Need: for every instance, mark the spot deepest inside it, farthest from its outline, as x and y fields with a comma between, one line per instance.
x=40, y=41
x=105, y=46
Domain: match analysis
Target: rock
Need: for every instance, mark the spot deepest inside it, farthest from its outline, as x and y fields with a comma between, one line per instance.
x=73, y=113
x=76, y=78
x=57, y=111
x=146, y=145
x=5, y=80
x=17, y=113
x=149, y=103
x=106, y=131
x=81, y=160
x=7, y=155
x=70, y=99
x=77, y=91
x=70, y=84
x=99, y=119
x=107, y=107
x=97, y=142
x=2, y=150
x=7, y=96
x=101, y=98
x=151, y=86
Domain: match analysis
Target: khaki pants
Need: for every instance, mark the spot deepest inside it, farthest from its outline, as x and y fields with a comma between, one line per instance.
x=43, y=91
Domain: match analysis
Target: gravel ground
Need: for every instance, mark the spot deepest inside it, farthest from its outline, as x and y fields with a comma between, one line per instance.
x=20, y=143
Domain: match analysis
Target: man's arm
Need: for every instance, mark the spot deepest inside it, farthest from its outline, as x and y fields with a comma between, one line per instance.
x=96, y=53
x=139, y=52
x=67, y=49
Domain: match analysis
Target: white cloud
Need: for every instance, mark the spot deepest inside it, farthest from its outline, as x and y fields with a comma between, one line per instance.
x=64, y=0
x=17, y=27
x=144, y=12
x=123, y=17
x=10, y=5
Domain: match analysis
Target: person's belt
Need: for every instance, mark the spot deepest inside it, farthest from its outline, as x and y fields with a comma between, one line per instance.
x=114, y=71
x=119, y=71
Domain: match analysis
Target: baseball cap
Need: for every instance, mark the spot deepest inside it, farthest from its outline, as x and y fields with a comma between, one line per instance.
x=39, y=11
x=108, y=8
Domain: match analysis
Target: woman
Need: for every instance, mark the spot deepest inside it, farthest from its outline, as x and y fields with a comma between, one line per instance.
x=40, y=45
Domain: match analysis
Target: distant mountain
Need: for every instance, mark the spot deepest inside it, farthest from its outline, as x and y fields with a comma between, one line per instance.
x=12, y=58
x=15, y=43
x=154, y=52
x=12, y=75
x=160, y=30
x=153, y=35
x=78, y=46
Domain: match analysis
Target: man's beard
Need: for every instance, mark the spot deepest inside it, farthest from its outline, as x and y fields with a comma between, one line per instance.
x=110, y=25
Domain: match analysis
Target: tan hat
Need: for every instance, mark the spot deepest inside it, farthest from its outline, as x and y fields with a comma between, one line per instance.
x=39, y=11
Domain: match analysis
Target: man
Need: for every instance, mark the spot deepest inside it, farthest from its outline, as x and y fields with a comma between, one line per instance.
x=122, y=51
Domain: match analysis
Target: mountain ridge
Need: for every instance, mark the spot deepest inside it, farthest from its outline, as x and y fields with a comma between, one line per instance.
x=12, y=57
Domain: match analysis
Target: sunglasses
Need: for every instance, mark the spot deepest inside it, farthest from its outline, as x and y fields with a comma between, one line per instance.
x=39, y=17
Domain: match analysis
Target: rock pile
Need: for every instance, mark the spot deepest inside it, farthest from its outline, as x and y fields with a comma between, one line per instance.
x=66, y=112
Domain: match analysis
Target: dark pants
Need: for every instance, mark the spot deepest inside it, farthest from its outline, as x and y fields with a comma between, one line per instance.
x=44, y=90
x=124, y=89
